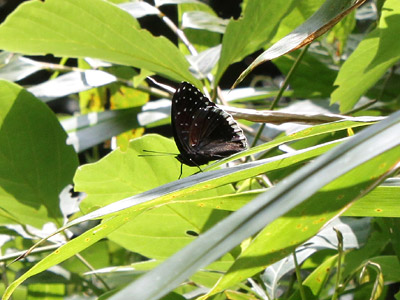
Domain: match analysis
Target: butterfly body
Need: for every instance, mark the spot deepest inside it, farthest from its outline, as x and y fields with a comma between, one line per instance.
x=202, y=131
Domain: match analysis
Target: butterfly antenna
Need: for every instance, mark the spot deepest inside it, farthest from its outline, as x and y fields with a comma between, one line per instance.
x=156, y=153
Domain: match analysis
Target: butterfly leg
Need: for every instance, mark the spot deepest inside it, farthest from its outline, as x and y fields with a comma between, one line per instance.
x=200, y=170
x=180, y=175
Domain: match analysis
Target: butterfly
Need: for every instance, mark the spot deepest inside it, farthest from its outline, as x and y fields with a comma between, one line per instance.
x=202, y=131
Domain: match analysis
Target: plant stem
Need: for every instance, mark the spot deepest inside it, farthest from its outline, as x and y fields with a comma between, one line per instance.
x=340, y=254
x=282, y=89
x=362, y=107
x=90, y=267
x=298, y=276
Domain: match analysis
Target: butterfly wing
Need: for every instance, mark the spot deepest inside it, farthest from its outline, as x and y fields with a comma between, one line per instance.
x=214, y=134
x=202, y=131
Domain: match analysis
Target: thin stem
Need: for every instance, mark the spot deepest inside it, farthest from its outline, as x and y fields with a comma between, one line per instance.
x=281, y=90
x=385, y=82
x=339, y=264
x=288, y=77
x=63, y=61
x=181, y=35
x=298, y=276
x=90, y=267
x=362, y=107
x=14, y=255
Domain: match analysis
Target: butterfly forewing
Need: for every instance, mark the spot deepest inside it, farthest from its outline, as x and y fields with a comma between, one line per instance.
x=186, y=101
x=202, y=131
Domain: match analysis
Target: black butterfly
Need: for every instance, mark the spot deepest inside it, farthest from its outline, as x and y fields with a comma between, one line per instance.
x=202, y=131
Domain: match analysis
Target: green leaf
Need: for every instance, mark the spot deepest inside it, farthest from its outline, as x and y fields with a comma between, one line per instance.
x=246, y=35
x=332, y=170
x=371, y=59
x=390, y=267
x=322, y=20
x=116, y=176
x=381, y=202
x=35, y=162
x=90, y=28
x=51, y=291
x=177, y=226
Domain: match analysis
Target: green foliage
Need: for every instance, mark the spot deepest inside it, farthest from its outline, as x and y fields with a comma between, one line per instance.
x=230, y=231
x=35, y=162
x=370, y=60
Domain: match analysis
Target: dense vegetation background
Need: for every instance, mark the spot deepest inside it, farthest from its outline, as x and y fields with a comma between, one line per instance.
x=310, y=211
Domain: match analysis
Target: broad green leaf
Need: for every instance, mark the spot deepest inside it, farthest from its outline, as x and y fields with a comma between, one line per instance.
x=392, y=227
x=331, y=171
x=160, y=232
x=301, y=11
x=90, y=28
x=123, y=173
x=35, y=162
x=206, y=181
x=331, y=12
x=248, y=34
x=371, y=59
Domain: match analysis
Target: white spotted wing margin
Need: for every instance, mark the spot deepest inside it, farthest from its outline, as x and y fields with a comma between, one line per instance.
x=202, y=131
